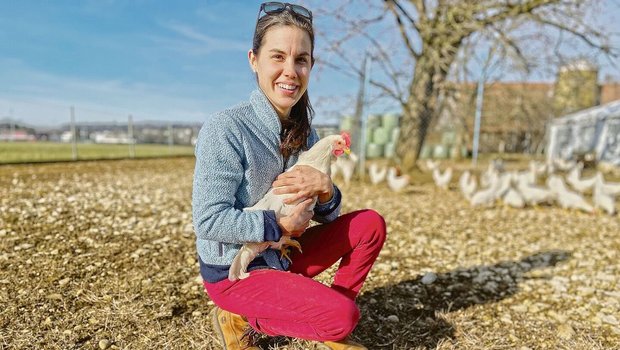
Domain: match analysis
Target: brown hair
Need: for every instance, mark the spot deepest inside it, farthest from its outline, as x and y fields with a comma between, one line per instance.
x=295, y=129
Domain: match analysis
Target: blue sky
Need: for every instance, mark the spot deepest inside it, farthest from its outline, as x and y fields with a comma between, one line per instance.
x=156, y=60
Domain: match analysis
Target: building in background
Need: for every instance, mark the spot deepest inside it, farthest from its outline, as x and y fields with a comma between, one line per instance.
x=516, y=116
x=11, y=130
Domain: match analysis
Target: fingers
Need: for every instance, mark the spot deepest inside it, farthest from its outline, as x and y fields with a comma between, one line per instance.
x=297, y=197
x=308, y=202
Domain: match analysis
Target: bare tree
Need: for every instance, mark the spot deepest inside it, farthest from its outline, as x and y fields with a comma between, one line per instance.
x=432, y=33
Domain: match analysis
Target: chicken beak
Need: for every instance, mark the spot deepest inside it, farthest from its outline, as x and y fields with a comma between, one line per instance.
x=347, y=151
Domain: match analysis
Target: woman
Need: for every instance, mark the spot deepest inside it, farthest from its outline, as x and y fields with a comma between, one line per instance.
x=239, y=152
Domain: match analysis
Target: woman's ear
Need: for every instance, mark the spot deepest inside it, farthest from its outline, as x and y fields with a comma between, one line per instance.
x=252, y=60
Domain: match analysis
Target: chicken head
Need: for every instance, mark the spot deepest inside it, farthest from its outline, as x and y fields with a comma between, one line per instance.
x=342, y=145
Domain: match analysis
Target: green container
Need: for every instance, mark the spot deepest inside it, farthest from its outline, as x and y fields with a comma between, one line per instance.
x=373, y=121
x=346, y=123
x=440, y=152
x=374, y=150
x=448, y=137
x=390, y=120
x=426, y=152
x=369, y=135
x=389, y=150
x=381, y=135
x=395, y=134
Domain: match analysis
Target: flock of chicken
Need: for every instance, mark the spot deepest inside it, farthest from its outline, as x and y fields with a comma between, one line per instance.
x=520, y=188
x=391, y=175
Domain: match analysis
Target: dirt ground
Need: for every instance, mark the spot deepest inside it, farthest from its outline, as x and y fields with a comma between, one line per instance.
x=100, y=255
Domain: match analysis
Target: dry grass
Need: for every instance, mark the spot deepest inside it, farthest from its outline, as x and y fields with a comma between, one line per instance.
x=100, y=254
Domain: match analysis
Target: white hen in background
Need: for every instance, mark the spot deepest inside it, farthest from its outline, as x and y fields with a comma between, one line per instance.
x=346, y=166
x=537, y=168
x=319, y=157
x=532, y=194
x=442, y=180
x=566, y=198
x=610, y=188
x=432, y=164
x=467, y=184
x=578, y=183
x=513, y=198
x=395, y=182
x=376, y=174
x=487, y=196
x=602, y=199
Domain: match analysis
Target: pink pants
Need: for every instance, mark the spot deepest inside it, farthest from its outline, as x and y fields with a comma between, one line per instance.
x=292, y=303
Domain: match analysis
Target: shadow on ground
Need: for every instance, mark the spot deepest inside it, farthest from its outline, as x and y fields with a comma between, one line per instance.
x=417, y=303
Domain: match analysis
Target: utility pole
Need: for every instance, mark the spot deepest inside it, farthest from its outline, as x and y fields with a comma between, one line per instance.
x=12, y=125
x=359, y=126
x=74, y=151
x=132, y=146
x=170, y=138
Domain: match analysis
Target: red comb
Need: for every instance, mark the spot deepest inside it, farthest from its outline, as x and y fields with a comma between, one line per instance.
x=346, y=137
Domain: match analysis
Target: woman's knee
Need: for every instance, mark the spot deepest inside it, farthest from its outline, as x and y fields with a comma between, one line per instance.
x=341, y=322
x=374, y=224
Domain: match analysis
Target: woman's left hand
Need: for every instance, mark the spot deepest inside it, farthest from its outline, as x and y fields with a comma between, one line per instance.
x=304, y=181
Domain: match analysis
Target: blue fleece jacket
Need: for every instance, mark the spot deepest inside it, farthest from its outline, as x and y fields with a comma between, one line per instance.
x=237, y=159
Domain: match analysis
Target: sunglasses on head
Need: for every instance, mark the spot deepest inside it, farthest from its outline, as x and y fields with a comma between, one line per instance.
x=272, y=7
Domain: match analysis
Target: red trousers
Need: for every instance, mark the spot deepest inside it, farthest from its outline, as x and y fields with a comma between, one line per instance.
x=292, y=303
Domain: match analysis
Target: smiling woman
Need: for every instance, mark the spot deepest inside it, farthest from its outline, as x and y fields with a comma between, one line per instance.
x=239, y=153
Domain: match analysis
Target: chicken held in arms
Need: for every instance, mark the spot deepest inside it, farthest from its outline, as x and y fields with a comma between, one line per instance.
x=319, y=157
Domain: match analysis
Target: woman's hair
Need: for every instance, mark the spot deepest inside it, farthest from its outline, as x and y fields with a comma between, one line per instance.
x=296, y=129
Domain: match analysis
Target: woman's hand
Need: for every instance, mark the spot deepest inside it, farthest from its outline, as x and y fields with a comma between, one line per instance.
x=304, y=181
x=296, y=223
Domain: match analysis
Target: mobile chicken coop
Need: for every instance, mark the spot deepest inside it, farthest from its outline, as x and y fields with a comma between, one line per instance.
x=594, y=131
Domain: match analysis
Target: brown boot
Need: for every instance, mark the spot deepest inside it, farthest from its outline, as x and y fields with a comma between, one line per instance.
x=232, y=329
x=345, y=344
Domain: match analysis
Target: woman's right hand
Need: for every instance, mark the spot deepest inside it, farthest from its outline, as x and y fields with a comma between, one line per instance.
x=298, y=220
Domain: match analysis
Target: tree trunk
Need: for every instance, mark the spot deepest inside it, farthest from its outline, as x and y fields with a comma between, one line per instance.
x=419, y=111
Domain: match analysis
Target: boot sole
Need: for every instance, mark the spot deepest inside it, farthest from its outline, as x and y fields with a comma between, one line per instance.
x=218, y=329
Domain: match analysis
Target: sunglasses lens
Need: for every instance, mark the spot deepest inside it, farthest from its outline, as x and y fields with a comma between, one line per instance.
x=275, y=7
x=271, y=7
x=300, y=10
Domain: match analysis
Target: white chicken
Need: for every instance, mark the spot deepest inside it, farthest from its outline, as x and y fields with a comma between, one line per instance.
x=602, y=199
x=610, y=188
x=567, y=198
x=396, y=182
x=346, y=166
x=442, y=180
x=432, y=164
x=578, y=183
x=505, y=181
x=513, y=198
x=534, y=195
x=376, y=174
x=318, y=157
x=467, y=184
x=487, y=196
x=488, y=175
x=563, y=165
x=537, y=168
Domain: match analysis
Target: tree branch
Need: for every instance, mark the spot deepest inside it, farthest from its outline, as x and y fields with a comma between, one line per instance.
x=401, y=27
x=562, y=27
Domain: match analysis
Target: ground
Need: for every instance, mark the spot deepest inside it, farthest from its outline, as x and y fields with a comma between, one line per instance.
x=101, y=255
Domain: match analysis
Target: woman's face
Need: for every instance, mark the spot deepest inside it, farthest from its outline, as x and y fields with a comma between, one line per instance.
x=282, y=66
